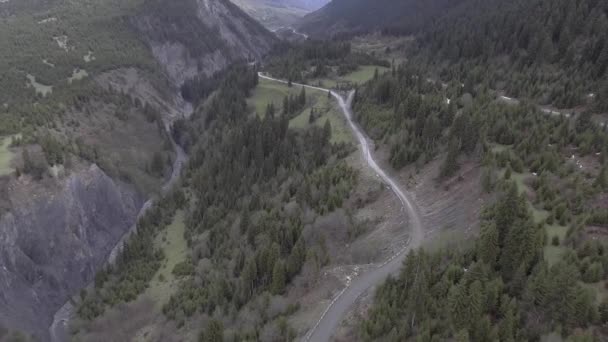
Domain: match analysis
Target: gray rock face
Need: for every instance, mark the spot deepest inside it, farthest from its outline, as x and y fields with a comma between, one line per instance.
x=200, y=37
x=54, y=242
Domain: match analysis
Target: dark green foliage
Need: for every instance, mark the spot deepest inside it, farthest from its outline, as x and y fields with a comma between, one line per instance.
x=137, y=263
x=482, y=295
x=450, y=164
x=294, y=63
x=252, y=179
x=183, y=269
x=553, y=50
x=213, y=333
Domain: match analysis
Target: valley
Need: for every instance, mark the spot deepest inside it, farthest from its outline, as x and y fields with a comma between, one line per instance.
x=282, y=170
x=278, y=14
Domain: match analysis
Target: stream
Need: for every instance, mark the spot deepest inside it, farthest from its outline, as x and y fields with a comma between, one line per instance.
x=59, y=328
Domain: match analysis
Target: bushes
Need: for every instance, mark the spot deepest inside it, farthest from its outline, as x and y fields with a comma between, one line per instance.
x=184, y=269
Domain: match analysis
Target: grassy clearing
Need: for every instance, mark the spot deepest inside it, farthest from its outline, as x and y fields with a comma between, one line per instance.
x=451, y=239
x=359, y=76
x=340, y=131
x=77, y=75
x=273, y=92
x=176, y=250
x=518, y=178
x=40, y=88
x=6, y=155
x=268, y=92
x=553, y=254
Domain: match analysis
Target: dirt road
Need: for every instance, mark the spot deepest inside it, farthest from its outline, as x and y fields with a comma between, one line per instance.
x=330, y=319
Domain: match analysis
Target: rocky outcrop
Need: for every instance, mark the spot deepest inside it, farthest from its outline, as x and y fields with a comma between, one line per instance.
x=190, y=38
x=55, y=239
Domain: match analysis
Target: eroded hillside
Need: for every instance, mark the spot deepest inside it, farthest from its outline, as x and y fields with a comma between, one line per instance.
x=90, y=92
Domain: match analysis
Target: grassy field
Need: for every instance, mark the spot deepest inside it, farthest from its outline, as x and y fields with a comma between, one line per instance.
x=175, y=247
x=360, y=76
x=268, y=92
x=273, y=92
x=5, y=156
x=340, y=132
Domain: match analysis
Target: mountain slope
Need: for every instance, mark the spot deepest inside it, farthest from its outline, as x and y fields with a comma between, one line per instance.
x=90, y=148
x=278, y=13
x=194, y=37
x=353, y=16
x=553, y=51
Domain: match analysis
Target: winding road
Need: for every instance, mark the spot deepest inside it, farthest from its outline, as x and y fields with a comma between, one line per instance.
x=332, y=316
x=303, y=35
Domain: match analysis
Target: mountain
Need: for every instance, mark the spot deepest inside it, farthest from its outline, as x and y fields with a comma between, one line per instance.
x=279, y=13
x=90, y=89
x=356, y=16
x=553, y=51
x=194, y=37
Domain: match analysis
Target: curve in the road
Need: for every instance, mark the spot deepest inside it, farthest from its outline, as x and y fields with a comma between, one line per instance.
x=326, y=326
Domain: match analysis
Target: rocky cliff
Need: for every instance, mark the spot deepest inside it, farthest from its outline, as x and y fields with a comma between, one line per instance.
x=193, y=37
x=55, y=239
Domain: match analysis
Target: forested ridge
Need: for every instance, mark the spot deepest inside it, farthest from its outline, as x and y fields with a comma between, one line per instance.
x=345, y=18
x=529, y=271
x=555, y=52
x=251, y=186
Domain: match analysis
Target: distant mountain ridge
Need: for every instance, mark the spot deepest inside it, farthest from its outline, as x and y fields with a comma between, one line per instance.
x=277, y=13
x=355, y=16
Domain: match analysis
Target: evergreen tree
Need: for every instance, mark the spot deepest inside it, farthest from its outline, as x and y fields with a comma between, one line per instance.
x=311, y=117
x=213, y=333
x=278, y=278
x=450, y=163
x=489, y=247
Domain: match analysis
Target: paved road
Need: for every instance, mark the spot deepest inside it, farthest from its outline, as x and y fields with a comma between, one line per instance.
x=544, y=109
x=303, y=35
x=329, y=321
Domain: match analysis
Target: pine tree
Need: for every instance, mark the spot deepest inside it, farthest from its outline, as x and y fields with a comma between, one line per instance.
x=327, y=130
x=489, y=247
x=457, y=300
x=286, y=106
x=213, y=333
x=302, y=97
x=278, y=278
x=601, y=181
x=311, y=117
x=450, y=164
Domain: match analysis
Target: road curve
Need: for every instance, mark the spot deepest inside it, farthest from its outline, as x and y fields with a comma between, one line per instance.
x=330, y=319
